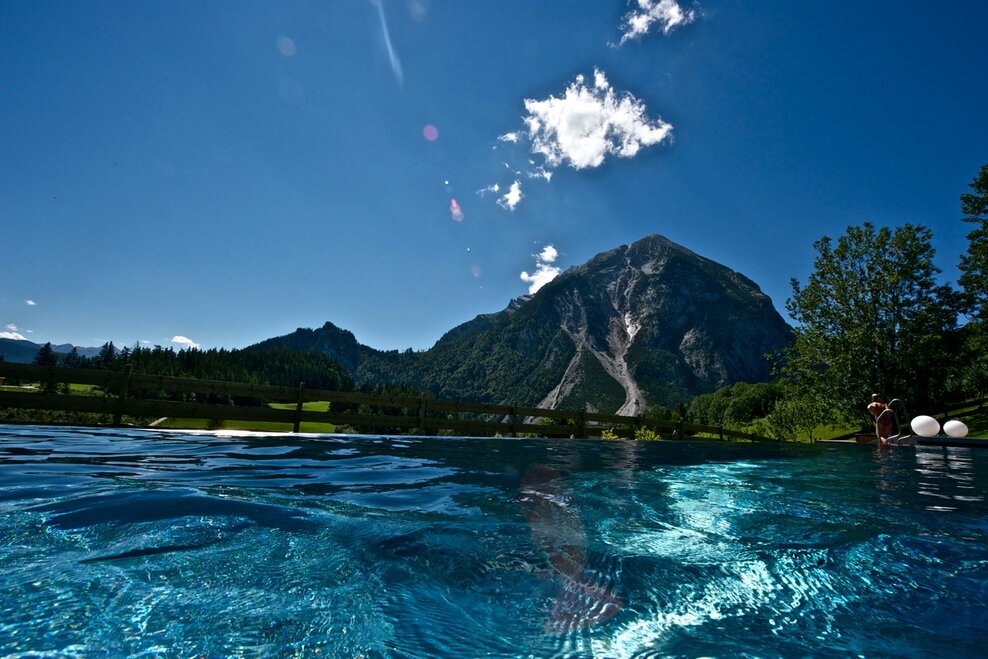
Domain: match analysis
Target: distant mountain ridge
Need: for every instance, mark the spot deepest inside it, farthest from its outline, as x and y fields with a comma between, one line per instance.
x=24, y=351
x=643, y=324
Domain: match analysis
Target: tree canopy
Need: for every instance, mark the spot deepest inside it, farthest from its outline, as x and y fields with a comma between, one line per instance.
x=871, y=317
x=974, y=263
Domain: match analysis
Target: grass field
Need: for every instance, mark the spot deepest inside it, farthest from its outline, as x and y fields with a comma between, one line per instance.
x=257, y=426
x=977, y=423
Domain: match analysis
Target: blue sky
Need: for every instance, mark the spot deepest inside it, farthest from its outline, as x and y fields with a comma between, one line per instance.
x=227, y=172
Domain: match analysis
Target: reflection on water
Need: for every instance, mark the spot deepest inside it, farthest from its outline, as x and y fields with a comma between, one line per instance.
x=947, y=474
x=129, y=542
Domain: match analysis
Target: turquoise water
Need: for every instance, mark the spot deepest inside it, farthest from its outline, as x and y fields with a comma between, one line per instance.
x=128, y=542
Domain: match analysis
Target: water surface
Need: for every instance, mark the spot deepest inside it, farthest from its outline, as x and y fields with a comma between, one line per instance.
x=127, y=542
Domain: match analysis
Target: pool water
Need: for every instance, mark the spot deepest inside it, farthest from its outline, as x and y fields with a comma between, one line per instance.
x=131, y=542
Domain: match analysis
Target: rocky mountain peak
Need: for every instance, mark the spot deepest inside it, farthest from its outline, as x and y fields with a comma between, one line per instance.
x=642, y=324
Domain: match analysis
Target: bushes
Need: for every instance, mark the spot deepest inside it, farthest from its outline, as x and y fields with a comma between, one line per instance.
x=736, y=405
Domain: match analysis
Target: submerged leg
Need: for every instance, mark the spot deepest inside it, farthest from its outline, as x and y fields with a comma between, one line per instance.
x=584, y=599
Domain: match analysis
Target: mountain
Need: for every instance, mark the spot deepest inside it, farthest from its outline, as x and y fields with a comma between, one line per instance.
x=480, y=323
x=643, y=324
x=24, y=352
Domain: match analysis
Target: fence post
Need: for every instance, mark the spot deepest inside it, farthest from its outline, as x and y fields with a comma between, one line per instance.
x=122, y=397
x=422, y=413
x=298, y=407
x=514, y=420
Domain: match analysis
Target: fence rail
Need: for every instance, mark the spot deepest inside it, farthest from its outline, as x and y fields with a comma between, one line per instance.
x=125, y=393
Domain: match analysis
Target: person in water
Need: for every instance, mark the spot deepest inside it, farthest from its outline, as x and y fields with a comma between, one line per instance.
x=883, y=422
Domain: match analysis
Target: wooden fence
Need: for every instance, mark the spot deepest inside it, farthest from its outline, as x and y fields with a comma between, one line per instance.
x=125, y=393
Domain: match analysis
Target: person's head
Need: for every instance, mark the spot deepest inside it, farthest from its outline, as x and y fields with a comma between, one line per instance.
x=877, y=398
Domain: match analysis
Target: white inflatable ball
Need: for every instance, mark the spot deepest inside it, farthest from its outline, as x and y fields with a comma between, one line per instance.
x=925, y=426
x=955, y=428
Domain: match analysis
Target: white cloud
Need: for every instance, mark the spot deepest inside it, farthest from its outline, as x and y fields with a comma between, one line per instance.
x=544, y=271
x=12, y=335
x=30, y=303
x=185, y=342
x=512, y=197
x=509, y=137
x=665, y=14
x=541, y=172
x=286, y=46
x=588, y=123
x=12, y=327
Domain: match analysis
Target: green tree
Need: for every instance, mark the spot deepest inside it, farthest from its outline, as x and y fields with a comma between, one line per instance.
x=736, y=404
x=46, y=356
x=871, y=318
x=107, y=353
x=73, y=358
x=974, y=263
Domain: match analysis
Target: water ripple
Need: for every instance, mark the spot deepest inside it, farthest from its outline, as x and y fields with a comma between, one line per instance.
x=134, y=542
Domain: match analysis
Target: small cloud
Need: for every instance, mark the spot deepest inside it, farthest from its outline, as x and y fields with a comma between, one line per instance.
x=185, y=342
x=510, y=137
x=493, y=188
x=544, y=270
x=12, y=335
x=455, y=211
x=664, y=14
x=286, y=46
x=512, y=197
x=588, y=123
x=145, y=342
x=30, y=303
x=418, y=10
x=541, y=172
x=12, y=327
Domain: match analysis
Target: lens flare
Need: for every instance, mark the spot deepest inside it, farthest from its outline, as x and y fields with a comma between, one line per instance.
x=430, y=132
x=455, y=211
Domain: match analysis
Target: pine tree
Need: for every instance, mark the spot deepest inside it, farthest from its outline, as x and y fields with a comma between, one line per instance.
x=72, y=359
x=107, y=353
x=974, y=264
x=46, y=356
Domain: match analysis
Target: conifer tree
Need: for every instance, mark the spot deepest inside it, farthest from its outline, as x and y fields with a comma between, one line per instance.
x=974, y=263
x=46, y=356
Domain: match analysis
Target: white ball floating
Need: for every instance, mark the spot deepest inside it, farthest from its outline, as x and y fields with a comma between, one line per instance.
x=955, y=428
x=925, y=426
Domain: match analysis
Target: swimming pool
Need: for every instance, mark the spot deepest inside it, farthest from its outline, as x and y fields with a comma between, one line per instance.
x=126, y=542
